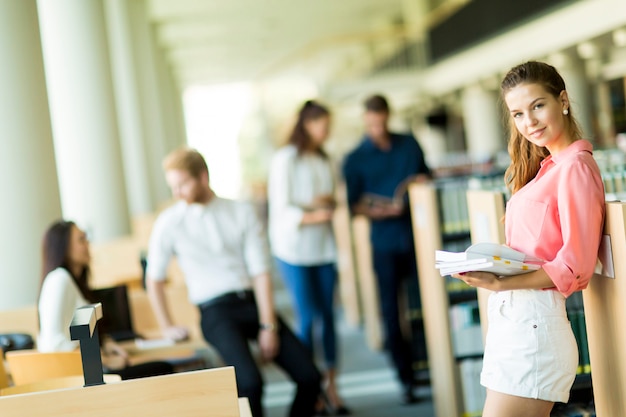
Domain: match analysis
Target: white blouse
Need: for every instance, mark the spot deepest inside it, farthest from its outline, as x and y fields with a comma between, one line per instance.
x=294, y=182
x=58, y=300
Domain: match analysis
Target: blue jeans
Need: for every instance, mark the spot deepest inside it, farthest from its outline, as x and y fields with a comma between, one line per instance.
x=312, y=289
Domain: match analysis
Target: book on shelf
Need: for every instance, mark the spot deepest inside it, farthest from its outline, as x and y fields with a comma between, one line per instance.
x=487, y=257
x=397, y=200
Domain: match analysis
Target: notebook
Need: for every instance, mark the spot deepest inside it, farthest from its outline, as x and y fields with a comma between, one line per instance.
x=116, y=315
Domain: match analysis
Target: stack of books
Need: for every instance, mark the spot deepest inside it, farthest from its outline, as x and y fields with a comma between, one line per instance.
x=489, y=257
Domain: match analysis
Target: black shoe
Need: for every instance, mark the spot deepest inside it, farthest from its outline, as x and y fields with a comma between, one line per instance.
x=322, y=412
x=421, y=378
x=408, y=397
x=322, y=408
x=342, y=410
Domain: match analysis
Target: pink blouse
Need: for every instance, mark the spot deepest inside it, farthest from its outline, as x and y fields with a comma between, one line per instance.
x=559, y=216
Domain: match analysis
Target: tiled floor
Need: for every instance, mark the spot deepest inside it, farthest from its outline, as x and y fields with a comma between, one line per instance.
x=366, y=382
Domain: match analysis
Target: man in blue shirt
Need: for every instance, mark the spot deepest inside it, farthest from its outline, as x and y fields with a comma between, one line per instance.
x=376, y=174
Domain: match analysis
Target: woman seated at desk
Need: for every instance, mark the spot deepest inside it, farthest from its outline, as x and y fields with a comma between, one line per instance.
x=64, y=288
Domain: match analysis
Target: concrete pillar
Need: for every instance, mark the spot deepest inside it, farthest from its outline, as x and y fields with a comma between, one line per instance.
x=414, y=13
x=151, y=98
x=179, y=108
x=482, y=122
x=126, y=78
x=606, y=124
x=29, y=186
x=171, y=101
x=84, y=121
x=572, y=69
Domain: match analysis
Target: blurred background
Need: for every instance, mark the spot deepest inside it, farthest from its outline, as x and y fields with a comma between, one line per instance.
x=94, y=93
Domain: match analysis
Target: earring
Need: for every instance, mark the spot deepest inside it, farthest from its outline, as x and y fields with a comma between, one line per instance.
x=565, y=112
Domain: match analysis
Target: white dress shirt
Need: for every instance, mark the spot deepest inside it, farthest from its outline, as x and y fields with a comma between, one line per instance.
x=58, y=300
x=219, y=246
x=294, y=182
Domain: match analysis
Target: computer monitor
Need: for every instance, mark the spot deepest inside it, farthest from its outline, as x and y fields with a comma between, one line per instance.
x=116, y=315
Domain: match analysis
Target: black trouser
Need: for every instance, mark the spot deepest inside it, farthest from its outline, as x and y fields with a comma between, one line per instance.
x=392, y=269
x=229, y=323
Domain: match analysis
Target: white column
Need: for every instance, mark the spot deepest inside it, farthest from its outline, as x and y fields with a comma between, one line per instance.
x=151, y=98
x=126, y=82
x=84, y=121
x=172, y=101
x=29, y=187
x=605, y=115
x=572, y=69
x=482, y=122
x=179, y=109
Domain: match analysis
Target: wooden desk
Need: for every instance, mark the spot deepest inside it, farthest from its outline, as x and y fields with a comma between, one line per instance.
x=193, y=394
x=244, y=407
x=184, y=353
x=20, y=320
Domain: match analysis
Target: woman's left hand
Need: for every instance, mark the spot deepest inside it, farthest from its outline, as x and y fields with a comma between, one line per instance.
x=478, y=279
x=114, y=354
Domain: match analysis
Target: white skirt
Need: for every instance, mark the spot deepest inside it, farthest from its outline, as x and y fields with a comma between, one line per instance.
x=530, y=349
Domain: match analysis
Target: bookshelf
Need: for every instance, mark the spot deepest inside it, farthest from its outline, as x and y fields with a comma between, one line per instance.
x=441, y=220
x=605, y=313
x=346, y=265
x=444, y=373
x=486, y=209
x=368, y=290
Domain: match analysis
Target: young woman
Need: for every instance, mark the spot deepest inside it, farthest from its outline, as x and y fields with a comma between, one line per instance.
x=64, y=288
x=556, y=213
x=301, y=203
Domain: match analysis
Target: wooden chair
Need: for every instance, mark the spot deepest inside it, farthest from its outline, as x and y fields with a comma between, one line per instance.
x=54, y=383
x=20, y=320
x=183, y=312
x=198, y=393
x=4, y=379
x=27, y=366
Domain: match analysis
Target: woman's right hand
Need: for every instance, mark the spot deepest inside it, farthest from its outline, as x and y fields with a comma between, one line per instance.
x=317, y=216
x=114, y=362
x=326, y=201
x=113, y=355
x=322, y=215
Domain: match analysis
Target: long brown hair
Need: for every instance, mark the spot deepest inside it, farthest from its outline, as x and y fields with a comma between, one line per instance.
x=311, y=110
x=55, y=246
x=526, y=157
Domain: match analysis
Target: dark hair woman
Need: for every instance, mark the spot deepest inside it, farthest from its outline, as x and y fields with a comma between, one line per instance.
x=311, y=129
x=64, y=288
x=301, y=200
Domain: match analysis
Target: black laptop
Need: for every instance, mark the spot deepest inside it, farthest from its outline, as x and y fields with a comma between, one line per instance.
x=116, y=315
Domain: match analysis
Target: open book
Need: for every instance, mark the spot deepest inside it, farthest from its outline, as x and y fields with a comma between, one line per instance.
x=488, y=257
x=397, y=200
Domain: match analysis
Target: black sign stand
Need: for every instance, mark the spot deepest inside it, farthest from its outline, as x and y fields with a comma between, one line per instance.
x=84, y=328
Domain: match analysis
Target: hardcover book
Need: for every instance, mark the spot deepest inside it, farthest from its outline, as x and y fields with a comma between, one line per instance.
x=487, y=257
